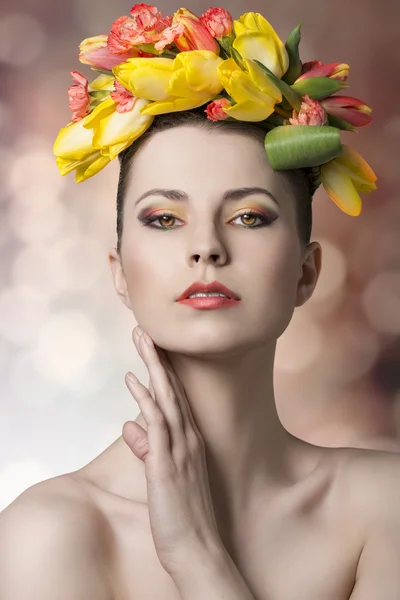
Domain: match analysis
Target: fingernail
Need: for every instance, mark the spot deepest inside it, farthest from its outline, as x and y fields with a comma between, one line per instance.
x=139, y=331
x=131, y=377
x=148, y=340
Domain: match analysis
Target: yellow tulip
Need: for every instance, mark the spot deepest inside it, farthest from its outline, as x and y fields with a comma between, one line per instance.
x=102, y=83
x=256, y=39
x=345, y=177
x=254, y=93
x=114, y=131
x=188, y=81
x=73, y=149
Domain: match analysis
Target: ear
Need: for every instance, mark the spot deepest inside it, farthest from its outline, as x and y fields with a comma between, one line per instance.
x=118, y=275
x=311, y=268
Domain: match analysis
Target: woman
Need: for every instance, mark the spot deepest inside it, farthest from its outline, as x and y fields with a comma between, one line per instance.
x=206, y=495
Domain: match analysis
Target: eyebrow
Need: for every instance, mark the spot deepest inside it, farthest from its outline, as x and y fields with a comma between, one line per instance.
x=229, y=195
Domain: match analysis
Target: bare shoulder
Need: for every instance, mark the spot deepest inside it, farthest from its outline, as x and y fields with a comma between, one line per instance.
x=370, y=479
x=368, y=486
x=49, y=544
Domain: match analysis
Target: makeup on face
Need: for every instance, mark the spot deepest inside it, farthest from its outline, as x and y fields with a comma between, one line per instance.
x=229, y=195
x=256, y=209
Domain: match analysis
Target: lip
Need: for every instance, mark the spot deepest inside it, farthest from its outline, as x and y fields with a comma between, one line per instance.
x=203, y=303
x=213, y=286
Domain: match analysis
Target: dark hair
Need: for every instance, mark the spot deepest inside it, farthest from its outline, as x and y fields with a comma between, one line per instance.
x=298, y=179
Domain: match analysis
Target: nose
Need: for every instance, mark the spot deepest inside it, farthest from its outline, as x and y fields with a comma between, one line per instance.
x=205, y=245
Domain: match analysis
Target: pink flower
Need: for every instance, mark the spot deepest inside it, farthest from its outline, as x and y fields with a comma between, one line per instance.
x=124, y=35
x=79, y=100
x=311, y=113
x=218, y=22
x=315, y=68
x=215, y=110
x=124, y=98
x=144, y=27
x=94, y=52
x=169, y=35
x=148, y=17
x=352, y=110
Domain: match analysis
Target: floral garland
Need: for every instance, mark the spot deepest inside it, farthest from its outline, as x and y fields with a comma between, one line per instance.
x=148, y=65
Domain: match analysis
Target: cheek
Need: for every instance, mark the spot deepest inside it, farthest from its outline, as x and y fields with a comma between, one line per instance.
x=276, y=275
x=150, y=279
x=279, y=269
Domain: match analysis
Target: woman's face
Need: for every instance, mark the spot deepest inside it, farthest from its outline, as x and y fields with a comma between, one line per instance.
x=206, y=239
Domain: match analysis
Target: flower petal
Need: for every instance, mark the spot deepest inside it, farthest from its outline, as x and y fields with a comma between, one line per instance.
x=120, y=129
x=250, y=111
x=174, y=105
x=102, y=111
x=86, y=171
x=340, y=188
x=262, y=81
x=357, y=167
x=74, y=141
x=260, y=42
x=257, y=46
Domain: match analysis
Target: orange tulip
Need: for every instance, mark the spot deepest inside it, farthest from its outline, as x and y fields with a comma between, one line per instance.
x=196, y=36
x=345, y=177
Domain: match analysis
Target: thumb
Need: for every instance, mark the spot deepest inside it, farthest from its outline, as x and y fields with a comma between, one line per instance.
x=136, y=438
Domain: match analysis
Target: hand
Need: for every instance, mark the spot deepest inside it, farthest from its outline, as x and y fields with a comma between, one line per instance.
x=180, y=506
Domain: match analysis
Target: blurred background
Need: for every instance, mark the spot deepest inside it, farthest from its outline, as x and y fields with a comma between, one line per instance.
x=65, y=338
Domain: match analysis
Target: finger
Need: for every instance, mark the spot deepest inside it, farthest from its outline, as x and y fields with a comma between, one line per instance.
x=157, y=429
x=136, y=438
x=180, y=392
x=165, y=395
x=188, y=418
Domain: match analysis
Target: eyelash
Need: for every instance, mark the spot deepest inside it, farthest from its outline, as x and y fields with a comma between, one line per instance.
x=265, y=221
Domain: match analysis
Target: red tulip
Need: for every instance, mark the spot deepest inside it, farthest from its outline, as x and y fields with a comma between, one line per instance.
x=316, y=68
x=352, y=110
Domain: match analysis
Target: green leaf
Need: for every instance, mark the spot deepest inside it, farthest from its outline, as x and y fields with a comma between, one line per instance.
x=100, y=94
x=341, y=124
x=265, y=124
x=275, y=120
x=291, y=95
x=150, y=48
x=300, y=146
x=285, y=105
x=169, y=54
x=226, y=43
x=104, y=71
x=237, y=58
x=318, y=87
x=292, y=48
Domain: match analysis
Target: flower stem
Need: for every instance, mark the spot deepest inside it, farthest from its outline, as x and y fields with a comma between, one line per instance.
x=282, y=112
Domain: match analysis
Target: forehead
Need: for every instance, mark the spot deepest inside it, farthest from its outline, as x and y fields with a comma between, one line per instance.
x=193, y=159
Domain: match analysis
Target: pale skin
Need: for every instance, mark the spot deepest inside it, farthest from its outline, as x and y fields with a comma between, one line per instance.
x=297, y=521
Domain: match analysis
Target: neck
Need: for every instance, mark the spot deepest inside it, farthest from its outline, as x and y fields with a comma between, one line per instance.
x=249, y=453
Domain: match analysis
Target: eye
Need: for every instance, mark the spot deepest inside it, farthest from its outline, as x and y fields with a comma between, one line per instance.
x=250, y=214
x=148, y=221
x=247, y=214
